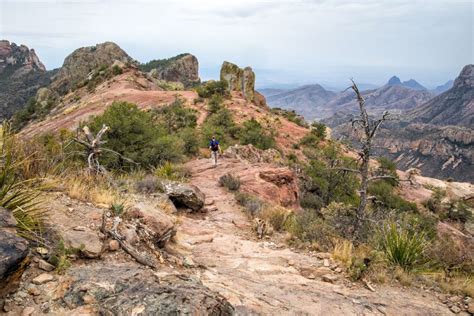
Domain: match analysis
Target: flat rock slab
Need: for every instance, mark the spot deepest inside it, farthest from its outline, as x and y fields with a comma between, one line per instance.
x=124, y=289
x=87, y=242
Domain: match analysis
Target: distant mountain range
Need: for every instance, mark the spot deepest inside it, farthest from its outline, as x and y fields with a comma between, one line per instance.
x=315, y=102
x=436, y=136
x=307, y=100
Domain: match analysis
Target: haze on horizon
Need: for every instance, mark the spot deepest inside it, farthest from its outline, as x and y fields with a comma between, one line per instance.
x=286, y=42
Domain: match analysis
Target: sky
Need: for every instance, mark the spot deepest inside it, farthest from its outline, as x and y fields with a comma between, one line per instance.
x=287, y=42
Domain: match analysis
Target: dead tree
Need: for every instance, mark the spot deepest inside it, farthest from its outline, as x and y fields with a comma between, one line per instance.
x=94, y=148
x=369, y=128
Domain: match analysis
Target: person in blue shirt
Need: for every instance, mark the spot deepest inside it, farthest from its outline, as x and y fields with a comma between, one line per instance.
x=215, y=148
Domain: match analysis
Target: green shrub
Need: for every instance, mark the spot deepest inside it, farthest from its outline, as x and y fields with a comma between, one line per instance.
x=253, y=133
x=190, y=138
x=291, y=116
x=175, y=116
x=171, y=171
x=310, y=227
x=215, y=104
x=435, y=202
x=386, y=198
x=220, y=124
x=32, y=111
x=118, y=209
x=116, y=70
x=402, y=247
x=232, y=183
x=326, y=181
x=318, y=130
x=133, y=134
x=210, y=88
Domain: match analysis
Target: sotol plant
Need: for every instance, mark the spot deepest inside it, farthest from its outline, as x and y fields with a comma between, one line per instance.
x=17, y=194
x=402, y=247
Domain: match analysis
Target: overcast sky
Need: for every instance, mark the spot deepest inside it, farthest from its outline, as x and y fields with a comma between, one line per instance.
x=288, y=41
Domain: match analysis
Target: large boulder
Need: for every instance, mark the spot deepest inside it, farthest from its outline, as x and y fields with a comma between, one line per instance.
x=183, y=68
x=238, y=79
x=13, y=252
x=159, y=223
x=82, y=61
x=182, y=194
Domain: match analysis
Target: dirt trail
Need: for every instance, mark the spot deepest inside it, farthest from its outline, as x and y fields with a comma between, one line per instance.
x=261, y=277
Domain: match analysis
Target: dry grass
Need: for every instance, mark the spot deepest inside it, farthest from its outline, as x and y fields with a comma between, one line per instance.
x=277, y=216
x=343, y=252
x=88, y=188
x=405, y=278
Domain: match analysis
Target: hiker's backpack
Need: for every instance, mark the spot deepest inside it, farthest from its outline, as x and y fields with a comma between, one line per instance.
x=214, y=145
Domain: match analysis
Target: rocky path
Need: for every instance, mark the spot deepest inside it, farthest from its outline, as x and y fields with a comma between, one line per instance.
x=261, y=277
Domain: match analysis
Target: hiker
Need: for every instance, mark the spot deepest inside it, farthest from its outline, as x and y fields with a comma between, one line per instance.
x=215, y=148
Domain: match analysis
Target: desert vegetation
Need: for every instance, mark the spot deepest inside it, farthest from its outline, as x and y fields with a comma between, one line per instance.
x=390, y=240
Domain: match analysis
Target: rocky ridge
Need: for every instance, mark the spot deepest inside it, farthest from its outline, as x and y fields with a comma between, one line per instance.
x=21, y=74
x=77, y=66
x=183, y=68
x=453, y=107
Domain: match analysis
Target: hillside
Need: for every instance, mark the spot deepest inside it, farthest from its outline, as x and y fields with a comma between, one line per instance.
x=308, y=101
x=453, y=107
x=269, y=230
x=21, y=74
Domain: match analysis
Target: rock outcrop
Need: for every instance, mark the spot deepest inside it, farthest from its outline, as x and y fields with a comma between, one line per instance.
x=159, y=224
x=238, y=79
x=80, y=63
x=182, y=68
x=21, y=74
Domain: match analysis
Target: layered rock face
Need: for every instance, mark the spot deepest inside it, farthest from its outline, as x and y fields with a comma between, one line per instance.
x=21, y=74
x=82, y=61
x=239, y=79
x=183, y=68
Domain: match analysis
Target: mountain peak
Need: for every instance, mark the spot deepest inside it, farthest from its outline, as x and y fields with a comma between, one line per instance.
x=394, y=81
x=412, y=83
x=465, y=78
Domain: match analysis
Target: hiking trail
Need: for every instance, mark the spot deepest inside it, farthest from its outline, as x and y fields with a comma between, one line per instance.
x=260, y=276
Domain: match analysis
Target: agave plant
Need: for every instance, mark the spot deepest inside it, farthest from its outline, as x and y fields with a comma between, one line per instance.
x=16, y=194
x=402, y=247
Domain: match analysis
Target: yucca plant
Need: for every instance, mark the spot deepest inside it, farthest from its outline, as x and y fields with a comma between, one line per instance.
x=402, y=247
x=16, y=194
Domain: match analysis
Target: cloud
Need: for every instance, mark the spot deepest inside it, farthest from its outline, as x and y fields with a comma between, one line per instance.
x=306, y=40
